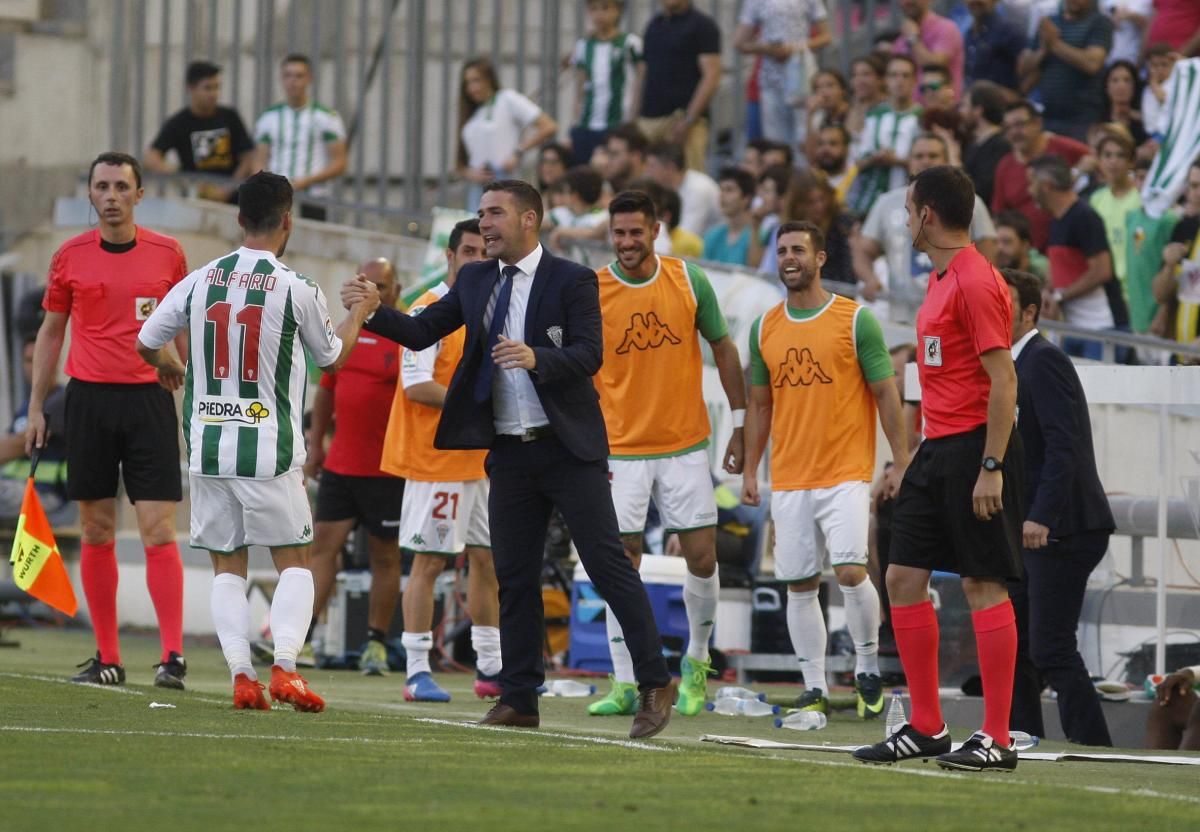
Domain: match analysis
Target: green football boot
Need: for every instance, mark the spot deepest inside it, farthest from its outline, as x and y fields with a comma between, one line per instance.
x=813, y=700
x=693, y=685
x=869, y=688
x=621, y=700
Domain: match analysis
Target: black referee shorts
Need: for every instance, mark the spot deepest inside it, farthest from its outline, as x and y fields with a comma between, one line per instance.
x=933, y=523
x=373, y=501
x=122, y=430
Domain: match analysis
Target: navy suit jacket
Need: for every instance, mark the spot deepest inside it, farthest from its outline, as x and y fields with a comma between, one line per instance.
x=562, y=325
x=1062, y=486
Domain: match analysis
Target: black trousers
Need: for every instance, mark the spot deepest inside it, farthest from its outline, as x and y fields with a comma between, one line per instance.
x=1047, y=603
x=528, y=480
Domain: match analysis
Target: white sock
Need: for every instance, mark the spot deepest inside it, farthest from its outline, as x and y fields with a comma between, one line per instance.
x=486, y=642
x=806, y=626
x=231, y=615
x=700, y=601
x=862, y=620
x=291, y=613
x=622, y=661
x=416, y=651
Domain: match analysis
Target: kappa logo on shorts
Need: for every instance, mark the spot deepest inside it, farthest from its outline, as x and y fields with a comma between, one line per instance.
x=417, y=540
x=143, y=308
x=933, y=351
x=646, y=332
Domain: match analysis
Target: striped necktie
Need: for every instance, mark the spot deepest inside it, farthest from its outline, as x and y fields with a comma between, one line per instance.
x=496, y=315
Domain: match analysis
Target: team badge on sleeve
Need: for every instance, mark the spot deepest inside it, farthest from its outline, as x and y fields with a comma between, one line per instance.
x=329, y=331
x=555, y=333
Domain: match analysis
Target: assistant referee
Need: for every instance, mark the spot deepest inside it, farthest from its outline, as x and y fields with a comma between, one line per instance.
x=120, y=421
x=959, y=507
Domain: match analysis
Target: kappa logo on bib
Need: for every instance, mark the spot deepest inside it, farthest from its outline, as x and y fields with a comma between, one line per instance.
x=220, y=410
x=933, y=351
x=143, y=308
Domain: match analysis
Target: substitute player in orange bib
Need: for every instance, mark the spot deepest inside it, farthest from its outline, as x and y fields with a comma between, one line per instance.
x=655, y=310
x=819, y=371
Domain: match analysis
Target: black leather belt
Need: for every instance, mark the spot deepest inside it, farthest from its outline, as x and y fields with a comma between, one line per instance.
x=534, y=434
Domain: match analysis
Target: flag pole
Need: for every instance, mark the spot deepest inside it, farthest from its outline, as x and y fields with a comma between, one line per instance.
x=34, y=457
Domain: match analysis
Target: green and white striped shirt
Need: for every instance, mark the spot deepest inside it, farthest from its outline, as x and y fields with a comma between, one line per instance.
x=247, y=316
x=609, y=66
x=299, y=140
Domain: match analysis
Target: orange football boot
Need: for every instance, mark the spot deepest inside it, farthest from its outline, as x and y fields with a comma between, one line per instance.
x=294, y=690
x=248, y=694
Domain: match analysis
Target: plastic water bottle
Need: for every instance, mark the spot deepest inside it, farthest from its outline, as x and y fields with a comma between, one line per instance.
x=895, y=714
x=742, y=707
x=1022, y=741
x=569, y=688
x=730, y=692
x=803, y=721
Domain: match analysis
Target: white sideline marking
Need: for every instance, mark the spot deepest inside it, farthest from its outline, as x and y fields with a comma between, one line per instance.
x=34, y=729
x=57, y=681
x=640, y=746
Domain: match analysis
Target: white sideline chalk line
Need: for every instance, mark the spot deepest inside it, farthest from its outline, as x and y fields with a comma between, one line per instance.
x=640, y=746
x=34, y=729
x=57, y=681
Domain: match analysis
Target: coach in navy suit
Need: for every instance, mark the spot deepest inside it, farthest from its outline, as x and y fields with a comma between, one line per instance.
x=1067, y=525
x=524, y=390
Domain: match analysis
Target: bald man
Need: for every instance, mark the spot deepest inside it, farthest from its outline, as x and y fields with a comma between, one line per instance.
x=353, y=488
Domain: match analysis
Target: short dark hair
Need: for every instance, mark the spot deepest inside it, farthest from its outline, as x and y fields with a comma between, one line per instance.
x=989, y=97
x=838, y=126
x=1018, y=222
x=668, y=152
x=1053, y=170
x=198, y=71
x=586, y=181
x=930, y=136
x=814, y=232
x=949, y=192
x=911, y=63
x=633, y=137
x=940, y=69
x=670, y=203
x=784, y=148
x=263, y=199
x=744, y=179
x=470, y=226
x=761, y=145
x=1023, y=104
x=526, y=196
x=116, y=157
x=1028, y=286
x=780, y=175
x=873, y=61
x=1158, y=50
x=296, y=58
x=633, y=202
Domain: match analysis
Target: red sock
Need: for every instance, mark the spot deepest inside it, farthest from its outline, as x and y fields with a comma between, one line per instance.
x=98, y=567
x=916, y=629
x=996, y=642
x=164, y=579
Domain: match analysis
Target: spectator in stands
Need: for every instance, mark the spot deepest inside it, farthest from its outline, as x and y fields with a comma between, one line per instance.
x=580, y=217
x=1174, y=722
x=735, y=241
x=1145, y=239
x=885, y=234
x=206, y=137
x=786, y=34
x=1177, y=24
x=678, y=241
x=811, y=198
x=867, y=90
x=51, y=479
x=929, y=38
x=496, y=127
x=992, y=45
x=832, y=157
x=1181, y=316
x=625, y=148
x=768, y=200
x=701, y=196
x=1014, y=246
x=752, y=156
x=683, y=69
x=1122, y=94
x=554, y=160
x=1160, y=60
x=936, y=89
x=352, y=489
x=1081, y=289
x=778, y=154
x=302, y=140
x=609, y=73
x=1118, y=198
x=1065, y=66
x=1023, y=128
x=828, y=104
x=1130, y=19
x=982, y=114
x=882, y=150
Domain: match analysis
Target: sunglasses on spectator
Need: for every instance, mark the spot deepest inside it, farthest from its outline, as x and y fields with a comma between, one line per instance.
x=931, y=86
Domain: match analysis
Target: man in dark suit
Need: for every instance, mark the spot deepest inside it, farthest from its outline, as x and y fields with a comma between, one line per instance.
x=524, y=390
x=1066, y=530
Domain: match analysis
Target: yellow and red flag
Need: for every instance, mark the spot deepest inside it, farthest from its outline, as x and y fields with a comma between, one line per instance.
x=37, y=566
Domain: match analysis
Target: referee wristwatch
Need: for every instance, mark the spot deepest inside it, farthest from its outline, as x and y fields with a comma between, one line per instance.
x=990, y=463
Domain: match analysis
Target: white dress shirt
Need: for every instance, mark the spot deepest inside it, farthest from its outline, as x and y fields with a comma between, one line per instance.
x=515, y=404
x=1020, y=345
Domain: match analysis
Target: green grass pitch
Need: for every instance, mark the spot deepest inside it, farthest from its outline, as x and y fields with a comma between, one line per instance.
x=81, y=758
